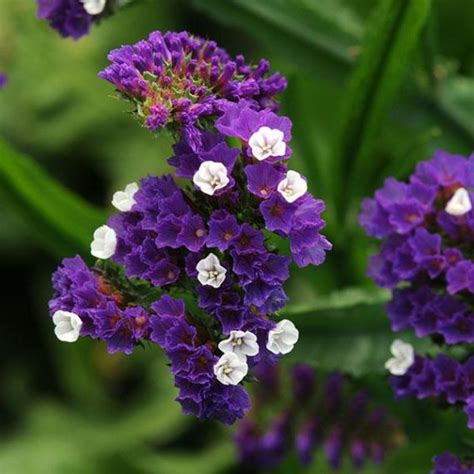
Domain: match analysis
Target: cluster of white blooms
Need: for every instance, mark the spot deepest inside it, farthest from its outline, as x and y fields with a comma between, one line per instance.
x=232, y=366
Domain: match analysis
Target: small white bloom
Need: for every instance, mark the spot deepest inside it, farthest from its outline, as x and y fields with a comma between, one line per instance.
x=210, y=271
x=68, y=326
x=94, y=7
x=460, y=203
x=242, y=343
x=293, y=186
x=210, y=177
x=230, y=369
x=266, y=142
x=283, y=338
x=104, y=243
x=123, y=200
x=403, y=357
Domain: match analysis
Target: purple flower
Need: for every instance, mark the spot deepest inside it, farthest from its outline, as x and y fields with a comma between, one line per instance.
x=331, y=417
x=447, y=463
x=3, y=80
x=179, y=79
x=68, y=17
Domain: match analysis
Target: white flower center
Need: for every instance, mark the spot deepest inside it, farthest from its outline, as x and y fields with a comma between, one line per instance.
x=210, y=271
x=293, y=186
x=210, y=177
x=267, y=142
x=460, y=203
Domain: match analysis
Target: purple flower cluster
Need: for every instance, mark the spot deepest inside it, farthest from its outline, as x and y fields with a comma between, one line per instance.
x=199, y=258
x=105, y=311
x=446, y=463
x=335, y=417
x=71, y=18
x=442, y=377
x=427, y=228
x=178, y=80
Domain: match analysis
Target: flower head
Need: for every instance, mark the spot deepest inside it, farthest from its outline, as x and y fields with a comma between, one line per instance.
x=210, y=271
x=183, y=79
x=283, y=338
x=123, y=200
x=403, y=358
x=105, y=242
x=68, y=326
x=210, y=177
x=242, y=343
x=230, y=369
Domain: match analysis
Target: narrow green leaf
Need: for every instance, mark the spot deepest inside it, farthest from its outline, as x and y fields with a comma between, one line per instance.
x=392, y=34
x=62, y=221
x=349, y=331
x=316, y=35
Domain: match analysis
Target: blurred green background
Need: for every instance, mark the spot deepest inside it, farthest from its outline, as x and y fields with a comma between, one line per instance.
x=374, y=87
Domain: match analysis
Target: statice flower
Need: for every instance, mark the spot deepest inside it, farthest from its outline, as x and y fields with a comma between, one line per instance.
x=427, y=232
x=180, y=81
x=447, y=463
x=329, y=414
x=194, y=268
x=73, y=18
x=3, y=80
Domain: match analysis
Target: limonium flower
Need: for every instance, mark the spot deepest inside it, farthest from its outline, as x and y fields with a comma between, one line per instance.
x=447, y=463
x=328, y=414
x=426, y=258
x=3, y=80
x=180, y=81
x=195, y=268
x=73, y=18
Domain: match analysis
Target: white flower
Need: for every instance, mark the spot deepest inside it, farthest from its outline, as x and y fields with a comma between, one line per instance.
x=460, y=203
x=210, y=177
x=293, y=186
x=283, y=338
x=266, y=142
x=104, y=243
x=403, y=357
x=210, y=271
x=230, y=369
x=240, y=343
x=68, y=326
x=94, y=7
x=123, y=200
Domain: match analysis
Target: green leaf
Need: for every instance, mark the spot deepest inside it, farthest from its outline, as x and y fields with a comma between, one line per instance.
x=391, y=36
x=317, y=35
x=62, y=221
x=348, y=331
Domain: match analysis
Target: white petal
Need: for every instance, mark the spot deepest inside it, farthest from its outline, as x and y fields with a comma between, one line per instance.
x=460, y=203
x=293, y=186
x=210, y=177
x=404, y=357
x=94, y=7
x=68, y=326
x=267, y=142
x=105, y=242
x=210, y=271
x=124, y=200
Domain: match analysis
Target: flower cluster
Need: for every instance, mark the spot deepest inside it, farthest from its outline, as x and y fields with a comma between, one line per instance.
x=335, y=417
x=73, y=18
x=446, y=463
x=427, y=227
x=442, y=377
x=180, y=80
x=195, y=269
